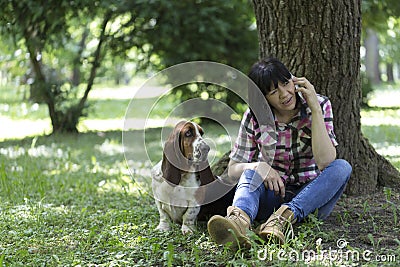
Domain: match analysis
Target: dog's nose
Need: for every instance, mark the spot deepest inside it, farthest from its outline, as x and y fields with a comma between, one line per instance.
x=205, y=148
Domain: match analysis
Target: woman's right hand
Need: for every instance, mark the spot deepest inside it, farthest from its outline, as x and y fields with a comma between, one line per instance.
x=272, y=180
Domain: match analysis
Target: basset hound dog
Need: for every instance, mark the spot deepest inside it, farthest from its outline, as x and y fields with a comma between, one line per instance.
x=178, y=177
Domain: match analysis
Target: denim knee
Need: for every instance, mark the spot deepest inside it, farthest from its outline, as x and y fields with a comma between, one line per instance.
x=343, y=169
x=252, y=179
x=247, y=176
x=248, y=192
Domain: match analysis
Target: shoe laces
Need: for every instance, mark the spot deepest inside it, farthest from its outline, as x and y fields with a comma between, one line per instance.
x=235, y=216
x=282, y=223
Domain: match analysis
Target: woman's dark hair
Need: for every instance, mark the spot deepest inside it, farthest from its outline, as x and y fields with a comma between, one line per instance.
x=267, y=72
x=263, y=74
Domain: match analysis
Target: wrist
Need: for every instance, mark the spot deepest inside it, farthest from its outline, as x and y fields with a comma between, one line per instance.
x=316, y=110
x=262, y=168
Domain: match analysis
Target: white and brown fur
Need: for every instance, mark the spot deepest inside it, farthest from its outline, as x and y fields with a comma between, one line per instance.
x=176, y=179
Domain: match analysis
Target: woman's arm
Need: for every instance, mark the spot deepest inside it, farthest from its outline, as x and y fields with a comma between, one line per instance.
x=323, y=150
x=235, y=169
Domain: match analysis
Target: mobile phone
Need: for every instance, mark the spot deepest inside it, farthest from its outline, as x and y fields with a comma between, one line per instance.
x=296, y=86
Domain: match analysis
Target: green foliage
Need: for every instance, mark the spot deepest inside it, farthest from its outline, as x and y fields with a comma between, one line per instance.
x=389, y=39
x=383, y=18
x=61, y=40
x=375, y=13
x=43, y=28
x=221, y=31
x=207, y=91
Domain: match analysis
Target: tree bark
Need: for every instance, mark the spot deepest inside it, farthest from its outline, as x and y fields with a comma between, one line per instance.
x=39, y=91
x=322, y=43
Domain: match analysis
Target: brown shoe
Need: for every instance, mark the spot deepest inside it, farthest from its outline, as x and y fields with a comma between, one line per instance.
x=278, y=223
x=231, y=228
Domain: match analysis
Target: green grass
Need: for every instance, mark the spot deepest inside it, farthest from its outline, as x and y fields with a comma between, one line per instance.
x=64, y=202
x=70, y=200
x=382, y=126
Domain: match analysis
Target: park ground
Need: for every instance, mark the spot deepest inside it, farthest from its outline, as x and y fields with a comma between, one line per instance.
x=71, y=200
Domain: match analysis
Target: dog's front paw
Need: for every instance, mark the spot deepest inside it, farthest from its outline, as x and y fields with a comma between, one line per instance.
x=163, y=227
x=186, y=229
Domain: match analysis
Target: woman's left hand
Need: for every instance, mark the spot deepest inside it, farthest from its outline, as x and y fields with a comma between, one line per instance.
x=308, y=92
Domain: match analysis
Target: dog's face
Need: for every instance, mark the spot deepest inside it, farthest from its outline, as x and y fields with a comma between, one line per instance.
x=186, y=151
x=192, y=144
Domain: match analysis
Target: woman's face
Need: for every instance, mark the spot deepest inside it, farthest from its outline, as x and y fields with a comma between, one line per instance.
x=282, y=98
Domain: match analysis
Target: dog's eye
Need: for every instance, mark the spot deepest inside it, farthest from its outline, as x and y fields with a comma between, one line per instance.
x=188, y=134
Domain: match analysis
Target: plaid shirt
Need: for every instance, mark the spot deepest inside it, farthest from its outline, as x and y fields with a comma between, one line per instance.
x=289, y=145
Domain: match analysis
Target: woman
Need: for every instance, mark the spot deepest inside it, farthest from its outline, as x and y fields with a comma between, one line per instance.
x=304, y=175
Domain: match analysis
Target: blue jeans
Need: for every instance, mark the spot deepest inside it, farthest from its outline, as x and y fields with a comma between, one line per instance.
x=320, y=194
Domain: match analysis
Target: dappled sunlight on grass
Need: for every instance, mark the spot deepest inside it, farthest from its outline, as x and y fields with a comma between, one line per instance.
x=378, y=121
x=106, y=112
x=33, y=210
x=52, y=151
x=110, y=148
x=376, y=117
x=73, y=200
x=18, y=129
x=124, y=184
x=100, y=125
x=46, y=234
x=387, y=149
x=122, y=92
x=390, y=151
x=23, y=110
x=382, y=126
x=145, y=123
x=385, y=96
x=381, y=122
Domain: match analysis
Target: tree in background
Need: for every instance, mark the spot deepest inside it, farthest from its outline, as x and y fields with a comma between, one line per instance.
x=46, y=29
x=389, y=47
x=322, y=42
x=380, y=37
x=67, y=41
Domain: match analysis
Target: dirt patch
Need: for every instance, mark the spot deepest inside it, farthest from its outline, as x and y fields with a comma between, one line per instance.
x=366, y=222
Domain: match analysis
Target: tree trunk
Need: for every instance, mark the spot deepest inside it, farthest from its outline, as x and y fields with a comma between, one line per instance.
x=39, y=89
x=390, y=72
x=68, y=120
x=398, y=71
x=76, y=72
x=322, y=43
x=372, y=56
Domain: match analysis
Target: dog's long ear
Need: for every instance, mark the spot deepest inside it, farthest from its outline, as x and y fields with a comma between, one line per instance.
x=170, y=172
x=205, y=174
x=171, y=156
